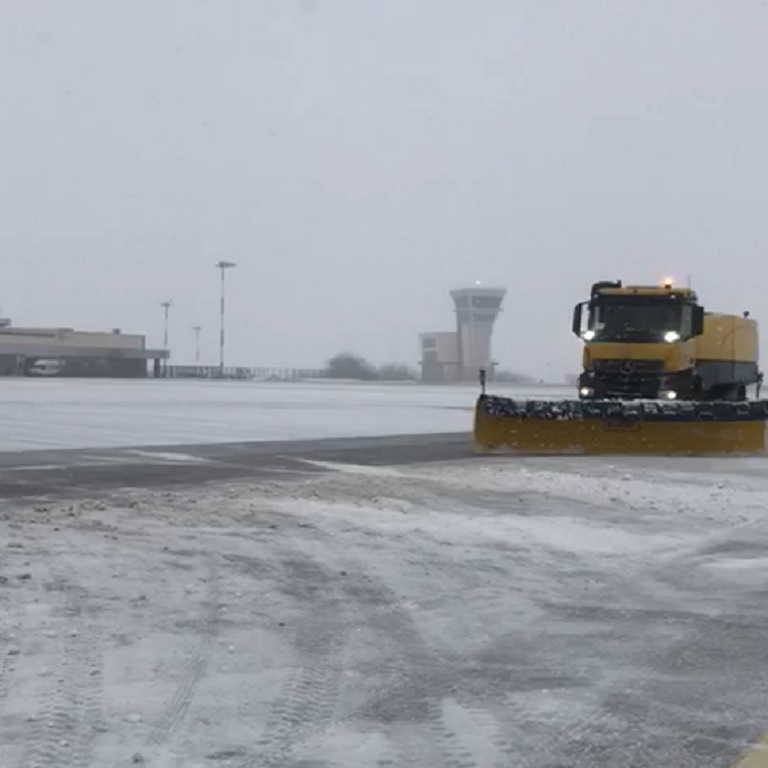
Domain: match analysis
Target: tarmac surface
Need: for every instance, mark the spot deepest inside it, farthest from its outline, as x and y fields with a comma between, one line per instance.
x=82, y=470
x=380, y=602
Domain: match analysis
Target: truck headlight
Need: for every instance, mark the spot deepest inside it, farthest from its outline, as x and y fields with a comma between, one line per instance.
x=669, y=394
x=586, y=391
x=671, y=336
x=588, y=335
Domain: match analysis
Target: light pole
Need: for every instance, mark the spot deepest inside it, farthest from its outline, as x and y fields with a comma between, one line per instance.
x=166, y=305
x=197, y=329
x=223, y=266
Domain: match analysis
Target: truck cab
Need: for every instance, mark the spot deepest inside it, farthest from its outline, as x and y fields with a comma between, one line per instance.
x=646, y=342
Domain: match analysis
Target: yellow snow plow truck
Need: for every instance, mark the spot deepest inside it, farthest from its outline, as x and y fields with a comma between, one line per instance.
x=660, y=376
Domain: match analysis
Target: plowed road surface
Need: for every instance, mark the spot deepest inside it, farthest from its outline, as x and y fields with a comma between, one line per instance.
x=542, y=613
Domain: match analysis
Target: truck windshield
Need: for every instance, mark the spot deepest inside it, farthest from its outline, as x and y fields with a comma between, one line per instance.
x=643, y=320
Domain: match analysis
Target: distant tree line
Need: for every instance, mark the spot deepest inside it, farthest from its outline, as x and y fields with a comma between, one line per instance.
x=510, y=377
x=347, y=365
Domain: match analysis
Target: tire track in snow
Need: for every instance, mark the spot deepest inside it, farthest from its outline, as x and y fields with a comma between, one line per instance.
x=421, y=678
x=6, y=670
x=64, y=731
x=307, y=704
x=7, y=653
x=9, y=658
x=11, y=628
x=178, y=706
x=84, y=649
x=423, y=673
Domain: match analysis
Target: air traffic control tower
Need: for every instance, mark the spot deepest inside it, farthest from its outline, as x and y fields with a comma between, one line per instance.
x=476, y=311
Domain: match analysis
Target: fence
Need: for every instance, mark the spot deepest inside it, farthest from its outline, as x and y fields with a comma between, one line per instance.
x=242, y=374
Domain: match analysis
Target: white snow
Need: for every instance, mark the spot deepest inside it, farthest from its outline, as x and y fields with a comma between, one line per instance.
x=278, y=617
x=166, y=456
x=760, y=563
x=675, y=491
x=83, y=413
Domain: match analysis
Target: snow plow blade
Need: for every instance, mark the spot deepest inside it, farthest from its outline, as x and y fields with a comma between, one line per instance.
x=503, y=425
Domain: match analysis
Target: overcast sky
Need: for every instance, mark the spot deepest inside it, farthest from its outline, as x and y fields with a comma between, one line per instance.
x=360, y=158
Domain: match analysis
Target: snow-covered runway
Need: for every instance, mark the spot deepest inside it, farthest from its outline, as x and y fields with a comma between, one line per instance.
x=78, y=413
x=483, y=613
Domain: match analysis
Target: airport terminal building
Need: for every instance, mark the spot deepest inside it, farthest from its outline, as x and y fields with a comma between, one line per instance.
x=67, y=352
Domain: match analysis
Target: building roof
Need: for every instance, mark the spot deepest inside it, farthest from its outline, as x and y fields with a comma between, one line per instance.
x=66, y=342
x=62, y=351
x=479, y=290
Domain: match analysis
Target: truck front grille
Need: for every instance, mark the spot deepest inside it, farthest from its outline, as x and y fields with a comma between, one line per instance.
x=628, y=367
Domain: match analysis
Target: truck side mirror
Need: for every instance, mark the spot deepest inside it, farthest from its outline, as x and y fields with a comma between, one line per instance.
x=577, y=319
x=698, y=321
